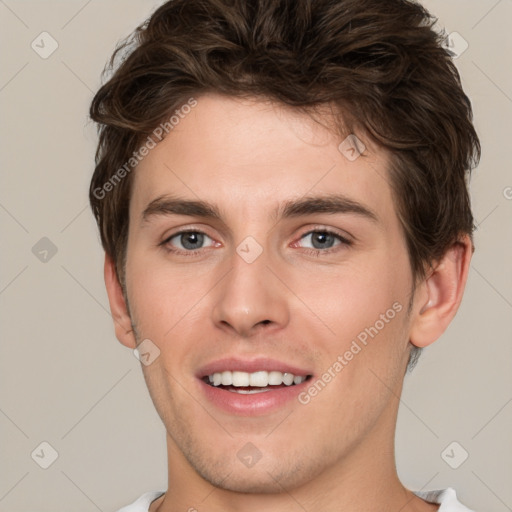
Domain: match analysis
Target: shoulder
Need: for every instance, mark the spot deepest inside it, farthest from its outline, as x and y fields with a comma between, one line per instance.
x=447, y=498
x=142, y=504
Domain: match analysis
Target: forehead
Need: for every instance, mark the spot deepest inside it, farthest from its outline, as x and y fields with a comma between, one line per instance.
x=250, y=156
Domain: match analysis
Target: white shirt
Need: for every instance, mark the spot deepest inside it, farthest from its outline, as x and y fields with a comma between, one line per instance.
x=447, y=498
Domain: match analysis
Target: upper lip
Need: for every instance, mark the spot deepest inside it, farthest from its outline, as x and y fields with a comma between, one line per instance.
x=250, y=366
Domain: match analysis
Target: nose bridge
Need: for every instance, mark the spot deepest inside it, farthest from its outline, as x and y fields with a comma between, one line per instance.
x=250, y=294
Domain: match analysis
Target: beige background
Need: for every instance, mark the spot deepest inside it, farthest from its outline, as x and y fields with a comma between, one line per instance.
x=67, y=381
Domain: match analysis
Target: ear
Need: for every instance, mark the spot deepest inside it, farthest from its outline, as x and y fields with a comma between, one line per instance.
x=118, y=309
x=439, y=295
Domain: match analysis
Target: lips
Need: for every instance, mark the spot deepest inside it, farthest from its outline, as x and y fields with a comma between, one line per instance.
x=251, y=387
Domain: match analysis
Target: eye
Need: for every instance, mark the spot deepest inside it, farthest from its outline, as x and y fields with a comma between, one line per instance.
x=187, y=242
x=191, y=242
x=323, y=241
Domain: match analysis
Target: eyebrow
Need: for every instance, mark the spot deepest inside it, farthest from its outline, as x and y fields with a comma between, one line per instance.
x=330, y=204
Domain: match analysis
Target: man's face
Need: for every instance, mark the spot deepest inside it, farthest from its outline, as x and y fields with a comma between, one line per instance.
x=263, y=291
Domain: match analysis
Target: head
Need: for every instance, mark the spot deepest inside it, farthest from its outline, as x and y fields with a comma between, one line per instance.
x=248, y=107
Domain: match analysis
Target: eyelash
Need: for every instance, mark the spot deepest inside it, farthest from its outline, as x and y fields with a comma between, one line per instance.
x=312, y=252
x=318, y=252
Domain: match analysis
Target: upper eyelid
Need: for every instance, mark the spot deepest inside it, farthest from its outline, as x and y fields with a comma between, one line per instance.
x=186, y=230
x=343, y=235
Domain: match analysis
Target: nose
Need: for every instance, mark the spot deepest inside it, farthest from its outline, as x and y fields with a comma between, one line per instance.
x=250, y=298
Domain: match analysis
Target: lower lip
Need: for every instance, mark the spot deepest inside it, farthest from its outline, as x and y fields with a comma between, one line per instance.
x=253, y=404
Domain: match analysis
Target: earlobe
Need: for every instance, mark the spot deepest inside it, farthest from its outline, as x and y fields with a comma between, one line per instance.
x=441, y=294
x=118, y=308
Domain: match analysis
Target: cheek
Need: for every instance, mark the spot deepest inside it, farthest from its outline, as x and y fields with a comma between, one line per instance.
x=364, y=306
x=362, y=366
x=353, y=296
x=165, y=300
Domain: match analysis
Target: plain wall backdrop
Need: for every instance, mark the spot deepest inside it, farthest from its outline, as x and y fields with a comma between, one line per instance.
x=64, y=378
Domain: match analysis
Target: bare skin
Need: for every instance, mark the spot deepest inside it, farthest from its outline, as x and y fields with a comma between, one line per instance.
x=297, y=302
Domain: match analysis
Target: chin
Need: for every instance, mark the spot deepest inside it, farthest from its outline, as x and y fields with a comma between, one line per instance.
x=266, y=477
x=250, y=483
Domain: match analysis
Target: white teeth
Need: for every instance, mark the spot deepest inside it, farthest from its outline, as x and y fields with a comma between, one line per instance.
x=288, y=378
x=249, y=391
x=227, y=378
x=275, y=378
x=260, y=379
x=240, y=379
x=297, y=379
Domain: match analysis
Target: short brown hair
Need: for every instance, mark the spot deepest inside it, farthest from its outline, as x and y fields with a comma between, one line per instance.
x=381, y=63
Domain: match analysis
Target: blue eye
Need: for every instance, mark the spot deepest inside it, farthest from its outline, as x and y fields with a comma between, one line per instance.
x=187, y=241
x=324, y=241
x=321, y=239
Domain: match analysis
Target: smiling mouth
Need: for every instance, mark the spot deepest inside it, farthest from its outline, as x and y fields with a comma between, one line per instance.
x=256, y=382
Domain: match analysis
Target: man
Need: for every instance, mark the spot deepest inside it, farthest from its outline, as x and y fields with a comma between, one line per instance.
x=280, y=188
